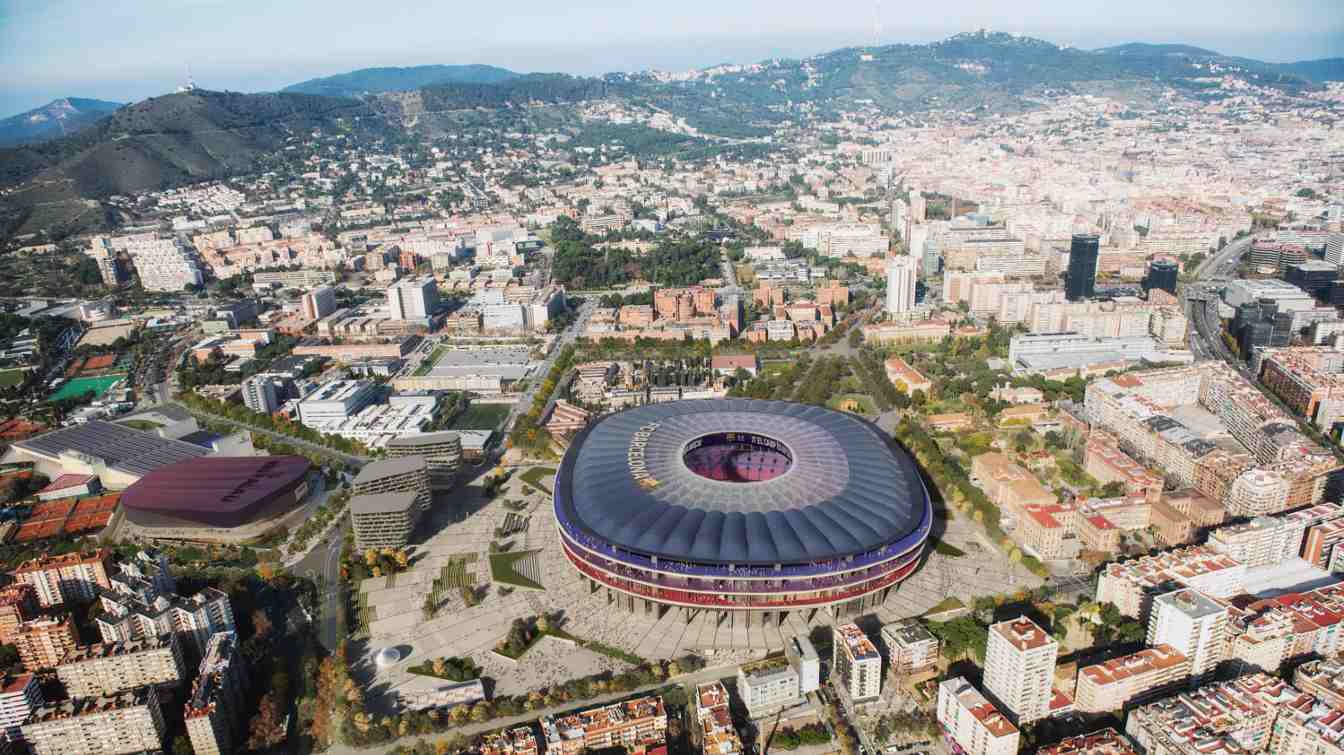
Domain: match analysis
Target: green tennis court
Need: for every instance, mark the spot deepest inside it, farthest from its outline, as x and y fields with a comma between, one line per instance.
x=79, y=386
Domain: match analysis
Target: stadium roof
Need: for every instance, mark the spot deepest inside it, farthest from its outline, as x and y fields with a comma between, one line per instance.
x=848, y=489
x=223, y=489
x=121, y=448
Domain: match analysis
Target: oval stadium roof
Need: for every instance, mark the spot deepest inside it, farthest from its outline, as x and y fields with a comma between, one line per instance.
x=848, y=489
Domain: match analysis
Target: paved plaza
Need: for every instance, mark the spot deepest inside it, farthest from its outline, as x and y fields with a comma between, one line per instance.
x=462, y=528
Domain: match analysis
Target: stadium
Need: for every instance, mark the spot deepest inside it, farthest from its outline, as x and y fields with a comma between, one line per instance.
x=215, y=499
x=749, y=508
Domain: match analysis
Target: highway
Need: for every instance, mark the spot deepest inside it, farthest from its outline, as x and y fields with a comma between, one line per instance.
x=570, y=334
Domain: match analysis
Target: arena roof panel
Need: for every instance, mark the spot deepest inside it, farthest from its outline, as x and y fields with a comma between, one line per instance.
x=222, y=490
x=847, y=490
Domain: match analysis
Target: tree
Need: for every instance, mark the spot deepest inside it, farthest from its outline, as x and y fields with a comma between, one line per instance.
x=182, y=745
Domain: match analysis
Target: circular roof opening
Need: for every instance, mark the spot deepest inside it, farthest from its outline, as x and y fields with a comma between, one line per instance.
x=386, y=657
x=737, y=457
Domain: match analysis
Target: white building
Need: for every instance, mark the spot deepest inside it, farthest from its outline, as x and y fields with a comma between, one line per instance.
x=260, y=394
x=319, y=302
x=1194, y=624
x=1020, y=668
x=856, y=662
x=413, y=299
x=901, y=272
x=19, y=697
x=977, y=726
x=336, y=400
x=164, y=265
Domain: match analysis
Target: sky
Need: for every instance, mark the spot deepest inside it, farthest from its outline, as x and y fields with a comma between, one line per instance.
x=126, y=50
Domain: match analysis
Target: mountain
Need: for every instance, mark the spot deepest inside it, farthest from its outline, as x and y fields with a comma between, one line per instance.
x=1144, y=48
x=158, y=143
x=56, y=118
x=379, y=80
x=1326, y=69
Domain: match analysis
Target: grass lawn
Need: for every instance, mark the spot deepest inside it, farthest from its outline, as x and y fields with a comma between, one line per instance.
x=537, y=477
x=11, y=377
x=502, y=570
x=480, y=417
x=858, y=403
x=429, y=362
x=946, y=604
x=947, y=549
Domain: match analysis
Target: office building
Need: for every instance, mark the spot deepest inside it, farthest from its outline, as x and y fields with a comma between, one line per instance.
x=1114, y=684
x=1081, y=278
x=856, y=662
x=396, y=475
x=335, y=401
x=1020, y=668
x=901, y=273
x=384, y=520
x=442, y=452
x=318, y=303
x=261, y=394
x=128, y=722
x=107, y=668
x=44, y=641
x=911, y=647
x=973, y=722
x=639, y=726
x=413, y=299
x=768, y=686
x=1162, y=275
x=293, y=278
x=68, y=577
x=1334, y=249
x=19, y=697
x=1194, y=625
x=213, y=713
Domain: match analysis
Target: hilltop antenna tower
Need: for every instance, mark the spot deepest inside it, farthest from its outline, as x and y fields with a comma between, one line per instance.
x=191, y=83
x=877, y=32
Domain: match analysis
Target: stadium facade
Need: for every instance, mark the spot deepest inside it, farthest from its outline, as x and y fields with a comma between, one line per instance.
x=216, y=498
x=750, y=509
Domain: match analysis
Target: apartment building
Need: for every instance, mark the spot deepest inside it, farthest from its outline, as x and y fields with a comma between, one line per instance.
x=261, y=394
x=442, y=452
x=911, y=648
x=1267, y=540
x=1117, y=683
x=384, y=520
x=164, y=265
x=131, y=616
x=1192, y=624
x=1106, y=741
x=19, y=697
x=639, y=726
x=67, y=577
x=213, y=713
x=717, y=734
x=1252, y=713
x=1020, y=668
x=1131, y=585
x=973, y=722
x=856, y=662
x=520, y=740
x=395, y=475
x=18, y=603
x=42, y=642
x=293, y=278
x=1323, y=679
x=107, y=668
x=318, y=303
x=128, y=722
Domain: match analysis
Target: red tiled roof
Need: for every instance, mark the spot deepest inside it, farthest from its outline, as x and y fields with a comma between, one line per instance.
x=67, y=481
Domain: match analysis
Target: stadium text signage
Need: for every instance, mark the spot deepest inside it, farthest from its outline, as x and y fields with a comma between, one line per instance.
x=638, y=468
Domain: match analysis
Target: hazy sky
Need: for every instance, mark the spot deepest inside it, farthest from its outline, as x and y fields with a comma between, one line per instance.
x=130, y=49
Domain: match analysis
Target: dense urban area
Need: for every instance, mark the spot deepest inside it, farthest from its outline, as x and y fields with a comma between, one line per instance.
x=314, y=451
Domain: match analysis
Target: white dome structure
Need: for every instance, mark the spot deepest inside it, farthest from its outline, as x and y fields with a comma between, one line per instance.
x=386, y=657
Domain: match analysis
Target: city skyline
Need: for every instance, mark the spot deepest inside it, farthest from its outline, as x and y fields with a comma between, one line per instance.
x=49, y=47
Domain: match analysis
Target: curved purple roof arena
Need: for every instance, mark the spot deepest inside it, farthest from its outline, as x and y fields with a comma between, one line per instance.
x=216, y=491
